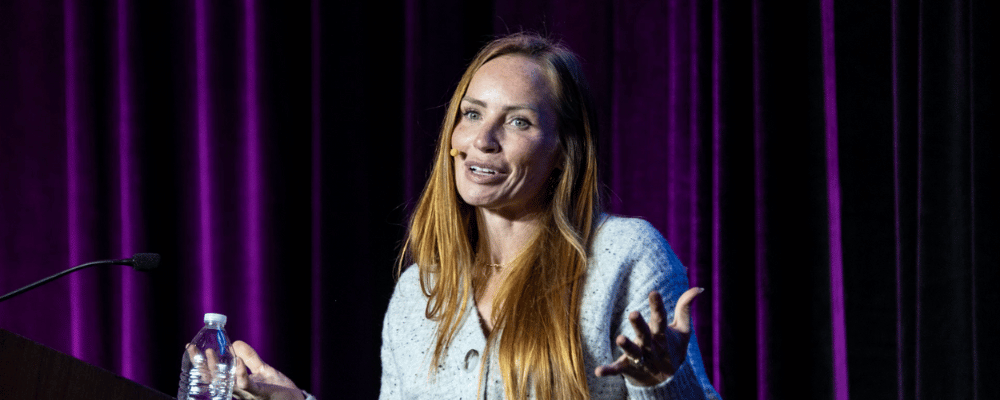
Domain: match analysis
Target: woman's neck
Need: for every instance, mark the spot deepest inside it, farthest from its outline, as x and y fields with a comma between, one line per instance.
x=506, y=238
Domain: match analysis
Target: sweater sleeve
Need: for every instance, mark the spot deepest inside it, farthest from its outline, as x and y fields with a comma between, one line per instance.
x=390, y=375
x=391, y=382
x=655, y=266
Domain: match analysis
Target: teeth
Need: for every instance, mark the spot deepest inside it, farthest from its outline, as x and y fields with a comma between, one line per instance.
x=482, y=170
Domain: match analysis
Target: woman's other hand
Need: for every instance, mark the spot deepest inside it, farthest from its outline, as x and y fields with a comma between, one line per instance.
x=647, y=361
x=255, y=380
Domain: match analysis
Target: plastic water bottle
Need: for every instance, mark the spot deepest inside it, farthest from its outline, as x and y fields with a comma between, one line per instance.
x=208, y=363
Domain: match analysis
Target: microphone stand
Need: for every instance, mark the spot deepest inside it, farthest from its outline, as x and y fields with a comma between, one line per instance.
x=124, y=261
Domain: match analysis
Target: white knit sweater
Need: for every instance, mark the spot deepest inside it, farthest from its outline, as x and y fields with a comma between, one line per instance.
x=629, y=259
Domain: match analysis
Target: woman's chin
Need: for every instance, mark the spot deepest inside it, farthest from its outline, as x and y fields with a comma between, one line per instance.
x=484, y=202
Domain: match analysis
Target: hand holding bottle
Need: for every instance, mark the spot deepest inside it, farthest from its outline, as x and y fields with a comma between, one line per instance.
x=255, y=380
x=206, y=364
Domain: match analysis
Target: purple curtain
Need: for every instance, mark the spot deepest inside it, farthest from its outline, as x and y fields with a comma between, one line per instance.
x=825, y=169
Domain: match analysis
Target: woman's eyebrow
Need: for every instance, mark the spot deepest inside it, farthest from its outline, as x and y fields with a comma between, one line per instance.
x=482, y=104
x=474, y=101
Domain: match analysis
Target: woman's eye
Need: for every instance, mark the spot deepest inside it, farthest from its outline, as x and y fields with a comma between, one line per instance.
x=520, y=123
x=471, y=114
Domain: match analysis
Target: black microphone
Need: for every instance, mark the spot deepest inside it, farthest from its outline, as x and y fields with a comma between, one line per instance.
x=139, y=262
x=144, y=261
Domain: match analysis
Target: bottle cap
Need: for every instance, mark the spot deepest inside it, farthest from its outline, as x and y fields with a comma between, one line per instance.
x=217, y=318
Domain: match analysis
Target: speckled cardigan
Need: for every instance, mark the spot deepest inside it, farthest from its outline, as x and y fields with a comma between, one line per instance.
x=629, y=258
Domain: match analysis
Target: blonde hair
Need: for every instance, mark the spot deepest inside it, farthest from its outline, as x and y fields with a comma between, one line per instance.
x=537, y=308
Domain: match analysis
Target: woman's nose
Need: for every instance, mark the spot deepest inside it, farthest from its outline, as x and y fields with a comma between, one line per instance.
x=487, y=140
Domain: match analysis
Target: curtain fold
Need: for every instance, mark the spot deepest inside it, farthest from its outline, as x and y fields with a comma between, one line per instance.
x=825, y=169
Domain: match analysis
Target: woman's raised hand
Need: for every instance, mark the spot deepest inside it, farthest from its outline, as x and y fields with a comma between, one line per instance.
x=262, y=382
x=647, y=361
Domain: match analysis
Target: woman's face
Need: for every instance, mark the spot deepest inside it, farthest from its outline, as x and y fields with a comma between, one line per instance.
x=506, y=137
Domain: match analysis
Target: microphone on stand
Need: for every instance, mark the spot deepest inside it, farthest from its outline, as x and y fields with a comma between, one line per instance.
x=139, y=262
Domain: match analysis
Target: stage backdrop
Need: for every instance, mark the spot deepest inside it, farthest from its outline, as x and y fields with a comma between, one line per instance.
x=826, y=169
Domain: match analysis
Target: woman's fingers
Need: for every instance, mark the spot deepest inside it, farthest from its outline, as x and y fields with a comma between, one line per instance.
x=191, y=351
x=244, y=388
x=198, y=363
x=251, y=359
x=642, y=334
x=240, y=372
x=634, y=364
x=616, y=368
x=682, y=313
x=658, y=313
x=212, y=361
x=647, y=360
x=249, y=370
x=631, y=349
x=257, y=380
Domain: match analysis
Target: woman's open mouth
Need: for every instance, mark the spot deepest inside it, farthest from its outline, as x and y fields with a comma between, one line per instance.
x=482, y=171
x=485, y=174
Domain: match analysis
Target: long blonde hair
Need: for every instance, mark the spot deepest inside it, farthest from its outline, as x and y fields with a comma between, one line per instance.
x=537, y=308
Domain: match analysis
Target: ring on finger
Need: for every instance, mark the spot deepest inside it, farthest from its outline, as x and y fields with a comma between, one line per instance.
x=637, y=362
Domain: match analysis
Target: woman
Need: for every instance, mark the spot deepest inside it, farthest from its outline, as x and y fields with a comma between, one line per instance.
x=521, y=283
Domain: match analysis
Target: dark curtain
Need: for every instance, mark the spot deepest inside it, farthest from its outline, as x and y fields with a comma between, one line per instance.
x=824, y=168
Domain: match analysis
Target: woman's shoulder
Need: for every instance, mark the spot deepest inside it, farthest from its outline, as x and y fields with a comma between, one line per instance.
x=619, y=230
x=408, y=284
x=632, y=245
x=407, y=294
x=629, y=258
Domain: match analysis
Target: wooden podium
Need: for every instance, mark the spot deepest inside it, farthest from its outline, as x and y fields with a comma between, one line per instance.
x=29, y=370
